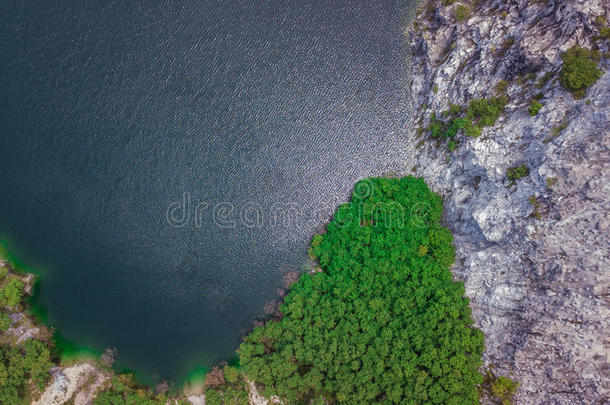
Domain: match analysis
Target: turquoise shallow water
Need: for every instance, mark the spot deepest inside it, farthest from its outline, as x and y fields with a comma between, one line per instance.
x=112, y=115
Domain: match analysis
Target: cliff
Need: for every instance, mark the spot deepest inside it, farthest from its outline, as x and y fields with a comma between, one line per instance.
x=533, y=249
x=534, y=253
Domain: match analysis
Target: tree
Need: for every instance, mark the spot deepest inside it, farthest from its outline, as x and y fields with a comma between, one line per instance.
x=384, y=322
x=18, y=365
x=124, y=390
x=11, y=293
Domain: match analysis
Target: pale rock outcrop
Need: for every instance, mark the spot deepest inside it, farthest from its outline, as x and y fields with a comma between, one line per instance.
x=78, y=383
x=537, y=270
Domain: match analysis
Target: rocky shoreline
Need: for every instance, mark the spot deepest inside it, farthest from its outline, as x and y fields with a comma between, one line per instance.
x=81, y=379
x=535, y=255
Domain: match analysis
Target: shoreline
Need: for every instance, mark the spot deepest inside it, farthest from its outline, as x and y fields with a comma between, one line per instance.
x=504, y=218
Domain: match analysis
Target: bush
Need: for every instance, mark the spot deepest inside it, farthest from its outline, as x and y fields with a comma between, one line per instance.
x=535, y=207
x=501, y=389
x=516, y=172
x=534, y=107
x=486, y=111
x=384, y=322
x=215, y=378
x=11, y=293
x=442, y=129
x=316, y=240
x=20, y=365
x=504, y=388
x=481, y=112
x=232, y=374
x=228, y=396
x=124, y=390
x=501, y=87
x=436, y=127
x=604, y=30
x=452, y=145
x=232, y=390
x=5, y=322
x=579, y=70
x=462, y=12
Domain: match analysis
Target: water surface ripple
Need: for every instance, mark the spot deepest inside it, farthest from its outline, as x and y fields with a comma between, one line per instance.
x=112, y=111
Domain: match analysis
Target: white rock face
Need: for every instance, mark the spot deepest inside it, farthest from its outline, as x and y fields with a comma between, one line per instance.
x=79, y=383
x=253, y=397
x=538, y=286
x=196, y=399
x=257, y=399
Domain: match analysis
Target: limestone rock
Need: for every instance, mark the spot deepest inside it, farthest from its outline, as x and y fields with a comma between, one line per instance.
x=79, y=383
x=534, y=257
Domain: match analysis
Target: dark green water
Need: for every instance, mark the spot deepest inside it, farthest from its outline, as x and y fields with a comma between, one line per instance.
x=110, y=112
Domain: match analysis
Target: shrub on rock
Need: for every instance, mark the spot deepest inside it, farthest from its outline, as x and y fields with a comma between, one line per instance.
x=579, y=70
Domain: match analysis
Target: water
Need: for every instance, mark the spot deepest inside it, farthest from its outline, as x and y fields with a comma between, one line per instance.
x=112, y=112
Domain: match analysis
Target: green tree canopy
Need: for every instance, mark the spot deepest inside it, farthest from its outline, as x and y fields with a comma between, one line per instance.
x=11, y=293
x=124, y=390
x=384, y=322
x=579, y=70
x=20, y=365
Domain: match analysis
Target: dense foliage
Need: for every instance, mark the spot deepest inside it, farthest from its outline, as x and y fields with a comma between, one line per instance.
x=503, y=389
x=226, y=386
x=5, y=322
x=20, y=366
x=11, y=292
x=223, y=386
x=481, y=112
x=534, y=107
x=25, y=367
x=125, y=391
x=579, y=70
x=6, y=297
x=484, y=112
x=384, y=322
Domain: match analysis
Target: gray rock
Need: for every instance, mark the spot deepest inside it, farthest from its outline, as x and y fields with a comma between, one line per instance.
x=538, y=286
